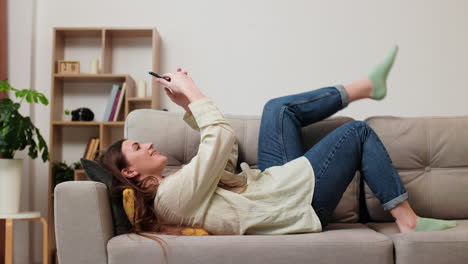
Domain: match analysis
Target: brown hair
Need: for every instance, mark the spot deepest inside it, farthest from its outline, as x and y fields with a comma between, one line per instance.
x=145, y=215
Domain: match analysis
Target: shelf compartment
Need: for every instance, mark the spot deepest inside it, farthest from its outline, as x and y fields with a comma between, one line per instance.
x=133, y=51
x=77, y=44
x=68, y=145
x=137, y=103
x=118, y=43
x=109, y=134
x=72, y=91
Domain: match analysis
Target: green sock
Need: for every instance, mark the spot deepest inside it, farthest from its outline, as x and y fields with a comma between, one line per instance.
x=378, y=77
x=430, y=224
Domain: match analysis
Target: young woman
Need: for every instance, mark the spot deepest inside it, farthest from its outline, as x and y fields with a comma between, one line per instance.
x=291, y=192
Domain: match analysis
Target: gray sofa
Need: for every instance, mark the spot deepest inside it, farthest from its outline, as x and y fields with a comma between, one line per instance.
x=431, y=154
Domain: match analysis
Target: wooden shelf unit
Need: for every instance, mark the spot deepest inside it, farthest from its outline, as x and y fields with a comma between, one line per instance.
x=101, y=42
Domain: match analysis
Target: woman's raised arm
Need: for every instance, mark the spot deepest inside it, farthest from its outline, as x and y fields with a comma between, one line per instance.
x=196, y=182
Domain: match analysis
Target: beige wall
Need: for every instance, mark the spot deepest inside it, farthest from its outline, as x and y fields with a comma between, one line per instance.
x=241, y=53
x=20, y=76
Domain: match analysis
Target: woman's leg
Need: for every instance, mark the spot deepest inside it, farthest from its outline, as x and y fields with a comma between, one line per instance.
x=335, y=160
x=280, y=138
x=280, y=141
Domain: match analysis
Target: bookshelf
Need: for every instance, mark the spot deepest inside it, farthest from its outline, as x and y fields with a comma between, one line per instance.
x=125, y=55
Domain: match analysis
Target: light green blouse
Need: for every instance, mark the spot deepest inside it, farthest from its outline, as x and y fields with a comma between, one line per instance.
x=275, y=201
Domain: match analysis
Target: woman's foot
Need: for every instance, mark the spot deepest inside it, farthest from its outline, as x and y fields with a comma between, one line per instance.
x=408, y=221
x=378, y=76
x=425, y=224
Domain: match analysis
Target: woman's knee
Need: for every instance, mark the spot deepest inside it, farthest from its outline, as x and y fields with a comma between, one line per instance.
x=362, y=128
x=274, y=103
x=357, y=124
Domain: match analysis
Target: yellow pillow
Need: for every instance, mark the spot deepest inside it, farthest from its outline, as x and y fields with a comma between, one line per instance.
x=129, y=207
x=129, y=204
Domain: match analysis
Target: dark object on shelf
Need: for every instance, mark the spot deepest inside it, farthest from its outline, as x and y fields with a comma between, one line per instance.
x=82, y=114
x=164, y=109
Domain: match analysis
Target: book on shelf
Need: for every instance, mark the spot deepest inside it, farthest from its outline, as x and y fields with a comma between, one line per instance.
x=116, y=102
x=119, y=103
x=88, y=151
x=110, y=102
x=88, y=145
x=95, y=149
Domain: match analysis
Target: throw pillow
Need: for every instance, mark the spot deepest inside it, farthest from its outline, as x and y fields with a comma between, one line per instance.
x=100, y=174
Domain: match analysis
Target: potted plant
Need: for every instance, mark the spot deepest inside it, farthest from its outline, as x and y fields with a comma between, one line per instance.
x=16, y=133
x=66, y=115
x=63, y=172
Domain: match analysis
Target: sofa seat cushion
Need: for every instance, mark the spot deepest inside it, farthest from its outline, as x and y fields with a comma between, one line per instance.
x=447, y=246
x=338, y=243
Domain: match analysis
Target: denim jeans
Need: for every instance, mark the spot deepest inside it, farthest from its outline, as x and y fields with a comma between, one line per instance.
x=336, y=157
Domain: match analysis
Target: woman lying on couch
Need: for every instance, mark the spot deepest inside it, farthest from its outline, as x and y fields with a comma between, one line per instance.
x=290, y=192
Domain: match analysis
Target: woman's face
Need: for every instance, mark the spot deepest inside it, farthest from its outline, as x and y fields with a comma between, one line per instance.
x=143, y=160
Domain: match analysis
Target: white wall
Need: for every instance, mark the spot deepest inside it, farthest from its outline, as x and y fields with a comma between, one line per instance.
x=251, y=51
x=20, y=19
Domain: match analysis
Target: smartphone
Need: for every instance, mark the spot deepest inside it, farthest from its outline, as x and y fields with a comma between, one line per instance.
x=159, y=76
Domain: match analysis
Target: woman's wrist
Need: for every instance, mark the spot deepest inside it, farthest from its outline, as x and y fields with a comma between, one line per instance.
x=187, y=109
x=194, y=96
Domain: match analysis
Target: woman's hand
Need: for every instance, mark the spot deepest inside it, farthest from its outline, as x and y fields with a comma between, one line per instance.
x=182, y=90
x=178, y=98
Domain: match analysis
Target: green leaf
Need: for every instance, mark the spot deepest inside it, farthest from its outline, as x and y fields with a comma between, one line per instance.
x=42, y=146
x=43, y=99
x=29, y=97
x=21, y=93
x=4, y=86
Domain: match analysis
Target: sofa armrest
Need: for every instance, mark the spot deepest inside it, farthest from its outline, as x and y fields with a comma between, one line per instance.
x=83, y=222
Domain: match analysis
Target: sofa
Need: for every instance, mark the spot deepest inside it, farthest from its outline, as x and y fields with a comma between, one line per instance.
x=430, y=153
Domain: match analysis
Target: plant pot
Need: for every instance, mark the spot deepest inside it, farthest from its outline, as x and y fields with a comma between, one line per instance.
x=10, y=185
x=67, y=118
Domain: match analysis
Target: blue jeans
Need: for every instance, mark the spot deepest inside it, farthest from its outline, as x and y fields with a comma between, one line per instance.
x=336, y=157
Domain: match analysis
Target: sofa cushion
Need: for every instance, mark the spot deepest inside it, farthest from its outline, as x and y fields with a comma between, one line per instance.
x=174, y=138
x=446, y=246
x=339, y=243
x=431, y=156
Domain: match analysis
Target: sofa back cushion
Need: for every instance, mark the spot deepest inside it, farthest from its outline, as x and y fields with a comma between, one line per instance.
x=431, y=156
x=175, y=139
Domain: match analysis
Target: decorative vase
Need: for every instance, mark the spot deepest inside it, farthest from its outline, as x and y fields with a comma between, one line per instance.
x=141, y=89
x=10, y=185
x=66, y=117
x=94, y=67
